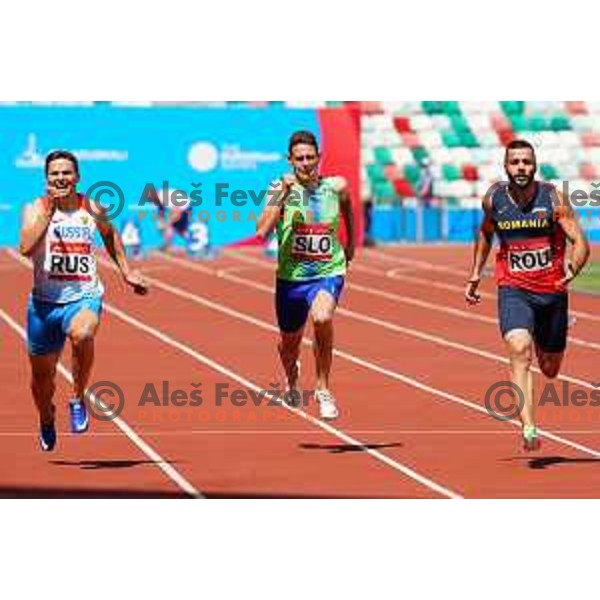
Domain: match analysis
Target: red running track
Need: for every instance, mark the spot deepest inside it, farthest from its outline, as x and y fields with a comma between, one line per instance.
x=410, y=376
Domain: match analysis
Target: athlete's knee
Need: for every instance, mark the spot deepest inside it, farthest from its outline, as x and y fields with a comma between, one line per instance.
x=550, y=370
x=322, y=316
x=550, y=365
x=83, y=332
x=521, y=347
x=289, y=343
x=43, y=368
x=42, y=380
x=322, y=309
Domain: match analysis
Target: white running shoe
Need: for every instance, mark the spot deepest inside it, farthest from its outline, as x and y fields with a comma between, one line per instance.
x=329, y=410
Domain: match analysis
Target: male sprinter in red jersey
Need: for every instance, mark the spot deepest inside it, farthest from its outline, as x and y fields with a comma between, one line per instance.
x=312, y=263
x=66, y=301
x=533, y=222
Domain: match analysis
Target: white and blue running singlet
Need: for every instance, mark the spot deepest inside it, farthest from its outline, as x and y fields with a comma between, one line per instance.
x=65, y=262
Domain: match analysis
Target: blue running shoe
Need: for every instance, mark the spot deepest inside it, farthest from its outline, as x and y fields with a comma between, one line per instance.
x=47, y=437
x=79, y=417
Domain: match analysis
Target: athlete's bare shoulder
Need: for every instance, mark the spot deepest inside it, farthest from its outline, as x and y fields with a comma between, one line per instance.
x=487, y=203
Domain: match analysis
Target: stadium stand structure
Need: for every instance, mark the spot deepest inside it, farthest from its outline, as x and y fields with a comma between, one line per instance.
x=464, y=144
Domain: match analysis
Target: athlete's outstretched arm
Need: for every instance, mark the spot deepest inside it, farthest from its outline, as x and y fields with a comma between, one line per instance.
x=348, y=216
x=114, y=247
x=276, y=195
x=580, y=254
x=36, y=219
x=483, y=246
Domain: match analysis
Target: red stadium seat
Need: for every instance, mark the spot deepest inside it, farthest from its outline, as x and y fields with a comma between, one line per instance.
x=470, y=173
x=506, y=136
x=500, y=123
x=576, y=107
x=392, y=172
x=371, y=108
x=402, y=125
x=587, y=171
x=590, y=138
x=404, y=189
x=411, y=140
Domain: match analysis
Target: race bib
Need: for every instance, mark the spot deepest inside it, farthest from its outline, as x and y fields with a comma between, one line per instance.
x=69, y=261
x=312, y=242
x=525, y=261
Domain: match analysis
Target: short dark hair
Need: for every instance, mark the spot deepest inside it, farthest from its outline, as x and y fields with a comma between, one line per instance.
x=64, y=154
x=518, y=145
x=303, y=137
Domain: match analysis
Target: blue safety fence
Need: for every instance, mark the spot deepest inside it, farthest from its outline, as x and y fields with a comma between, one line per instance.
x=396, y=222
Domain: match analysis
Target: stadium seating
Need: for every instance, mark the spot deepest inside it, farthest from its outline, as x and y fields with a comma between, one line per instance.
x=463, y=143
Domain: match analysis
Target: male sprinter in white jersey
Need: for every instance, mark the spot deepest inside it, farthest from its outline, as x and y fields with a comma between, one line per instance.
x=58, y=235
x=312, y=262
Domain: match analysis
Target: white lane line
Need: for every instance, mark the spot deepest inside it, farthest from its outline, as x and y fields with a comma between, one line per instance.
x=399, y=275
x=417, y=264
x=171, y=472
x=166, y=339
x=372, y=366
x=406, y=300
x=215, y=366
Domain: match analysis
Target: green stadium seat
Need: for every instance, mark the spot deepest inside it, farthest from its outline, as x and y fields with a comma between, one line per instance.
x=451, y=139
x=451, y=107
x=560, y=123
x=432, y=107
x=383, y=191
x=451, y=173
x=538, y=123
x=459, y=123
x=548, y=172
x=468, y=140
x=519, y=123
x=420, y=154
x=384, y=156
x=412, y=173
x=376, y=173
x=513, y=107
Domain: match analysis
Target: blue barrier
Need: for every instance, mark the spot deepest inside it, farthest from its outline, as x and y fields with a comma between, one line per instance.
x=394, y=223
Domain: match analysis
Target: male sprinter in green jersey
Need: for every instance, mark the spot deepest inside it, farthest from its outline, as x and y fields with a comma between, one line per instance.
x=306, y=212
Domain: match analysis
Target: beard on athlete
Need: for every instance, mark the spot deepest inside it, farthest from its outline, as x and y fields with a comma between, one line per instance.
x=521, y=166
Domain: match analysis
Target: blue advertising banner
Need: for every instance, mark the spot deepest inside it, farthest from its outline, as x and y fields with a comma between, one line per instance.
x=223, y=159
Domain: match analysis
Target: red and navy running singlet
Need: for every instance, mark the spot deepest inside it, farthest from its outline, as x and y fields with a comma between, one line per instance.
x=532, y=243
